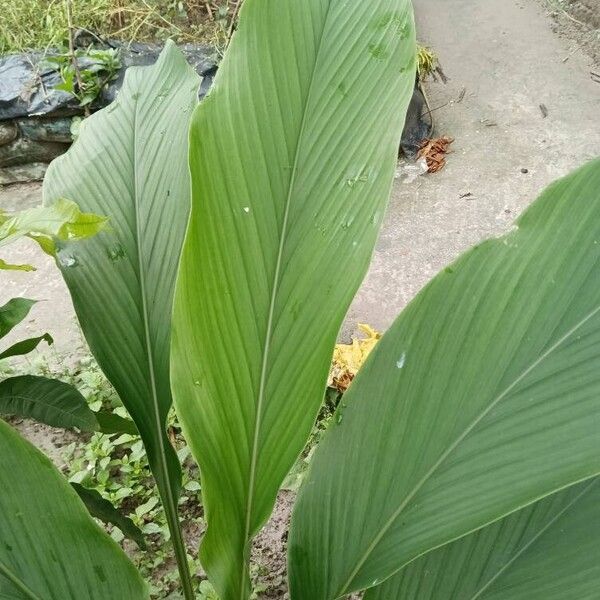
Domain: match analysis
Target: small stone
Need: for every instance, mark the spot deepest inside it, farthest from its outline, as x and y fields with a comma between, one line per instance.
x=8, y=132
x=524, y=170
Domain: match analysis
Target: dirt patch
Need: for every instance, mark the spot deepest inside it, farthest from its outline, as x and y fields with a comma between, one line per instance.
x=587, y=11
x=49, y=440
x=579, y=22
x=270, y=550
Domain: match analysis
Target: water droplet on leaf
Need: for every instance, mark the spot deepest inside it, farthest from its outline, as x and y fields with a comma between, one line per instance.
x=400, y=362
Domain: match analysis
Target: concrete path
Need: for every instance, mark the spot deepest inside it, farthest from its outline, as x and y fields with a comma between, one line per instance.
x=508, y=60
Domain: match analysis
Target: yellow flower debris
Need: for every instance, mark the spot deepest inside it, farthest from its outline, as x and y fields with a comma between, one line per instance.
x=348, y=358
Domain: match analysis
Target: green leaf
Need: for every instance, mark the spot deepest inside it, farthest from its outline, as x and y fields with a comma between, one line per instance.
x=51, y=548
x=12, y=313
x=48, y=401
x=109, y=422
x=4, y=266
x=483, y=397
x=130, y=162
x=62, y=220
x=547, y=551
x=292, y=156
x=102, y=509
x=26, y=346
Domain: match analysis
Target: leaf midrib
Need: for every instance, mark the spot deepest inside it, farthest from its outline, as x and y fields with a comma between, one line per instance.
x=146, y=321
x=533, y=540
x=388, y=524
x=18, y=582
x=273, y=298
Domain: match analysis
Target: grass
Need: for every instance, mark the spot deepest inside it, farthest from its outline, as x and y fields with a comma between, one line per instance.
x=42, y=24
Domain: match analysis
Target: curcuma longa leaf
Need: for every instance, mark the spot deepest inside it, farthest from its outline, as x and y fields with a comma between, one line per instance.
x=48, y=401
x=546, y=551
x=51, y=548
x=292, y=156
x=130, y=163
x=483, y=397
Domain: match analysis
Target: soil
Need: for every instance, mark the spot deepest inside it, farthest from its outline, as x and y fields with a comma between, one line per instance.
x=503, y=60
x=579, y=23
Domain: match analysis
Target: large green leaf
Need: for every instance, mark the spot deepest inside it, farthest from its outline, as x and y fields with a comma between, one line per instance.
x=46, y=400
x=482, y=397
x=130, y=163
x=57, y=404
x=547, y=551
x=50, y=547
x=63, y=220
x=292, y=157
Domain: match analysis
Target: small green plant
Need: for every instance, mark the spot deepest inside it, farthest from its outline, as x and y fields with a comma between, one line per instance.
x=427, y=61
x=85, y=74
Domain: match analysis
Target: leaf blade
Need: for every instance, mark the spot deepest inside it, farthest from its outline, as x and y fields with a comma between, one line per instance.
x=469, y=383
x=547, y=550
x=4, y=266
x=47, y=401
x=129, y=162
x=12, y=313
x=102, y=509
x=26, y=346
x=71, y=559
x=109, y=422
x=291, y=170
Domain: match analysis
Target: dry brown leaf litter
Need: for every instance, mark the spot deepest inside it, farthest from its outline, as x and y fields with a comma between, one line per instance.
x=434, y=151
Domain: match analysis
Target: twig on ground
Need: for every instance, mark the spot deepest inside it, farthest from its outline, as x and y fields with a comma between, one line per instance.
x=574, y=19
x=566, y=58
x=459, y=99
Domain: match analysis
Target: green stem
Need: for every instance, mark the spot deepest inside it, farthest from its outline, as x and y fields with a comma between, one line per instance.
x=170, y=506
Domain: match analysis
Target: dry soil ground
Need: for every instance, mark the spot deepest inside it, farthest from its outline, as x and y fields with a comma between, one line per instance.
x=509, y=57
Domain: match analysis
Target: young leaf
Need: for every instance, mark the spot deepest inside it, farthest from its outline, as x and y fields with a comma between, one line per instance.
x=102, y=509
x=51, y=548
x=48, y=401
x=12, y=313
x=63, y=220
x=483, y=397
x=26, y=346
x=4, y=266
x=548, y=550
x=130, y=162
x=292, y=157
